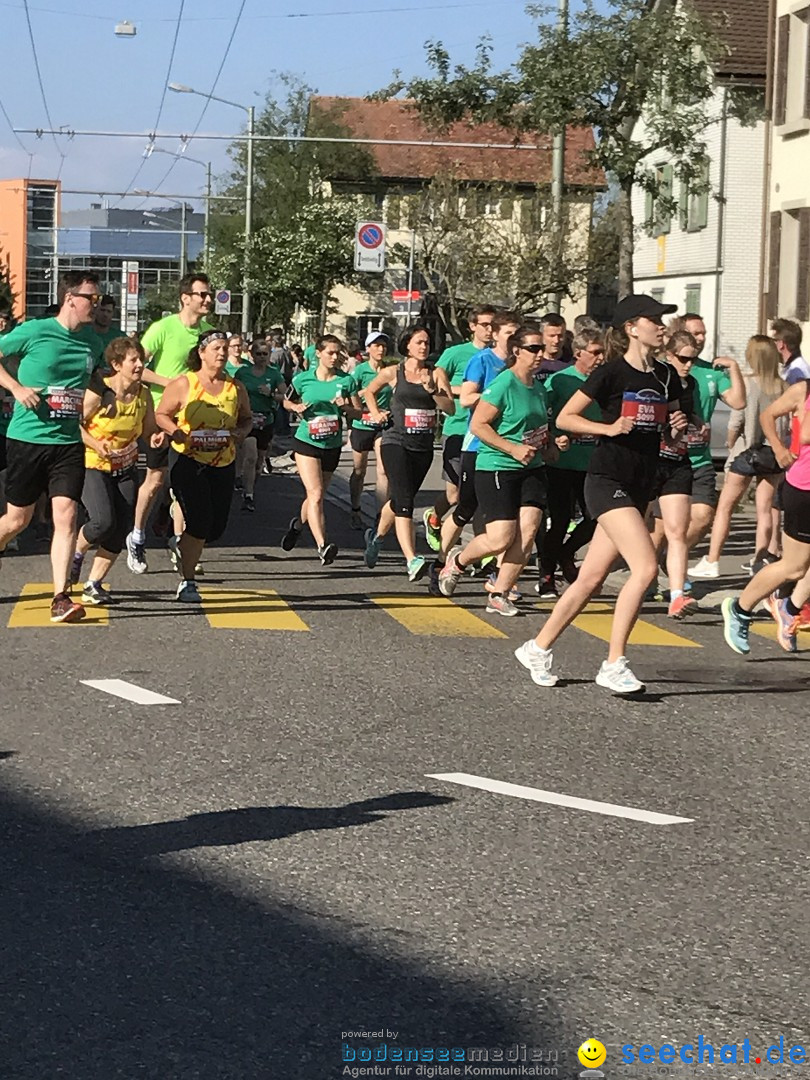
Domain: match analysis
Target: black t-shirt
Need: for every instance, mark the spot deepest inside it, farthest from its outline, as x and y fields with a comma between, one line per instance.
x=619, y=389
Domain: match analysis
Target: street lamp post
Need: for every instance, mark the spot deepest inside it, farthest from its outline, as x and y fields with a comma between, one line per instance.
x=207, y=166
x=179, y=88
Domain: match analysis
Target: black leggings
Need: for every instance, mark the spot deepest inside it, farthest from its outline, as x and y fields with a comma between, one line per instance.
x=110, y=504
x=565, y=494
x=204, y=493
x=406, y=471
x=467, y=504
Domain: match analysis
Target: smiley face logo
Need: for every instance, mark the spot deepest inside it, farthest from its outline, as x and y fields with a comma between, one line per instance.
x=592, y=1054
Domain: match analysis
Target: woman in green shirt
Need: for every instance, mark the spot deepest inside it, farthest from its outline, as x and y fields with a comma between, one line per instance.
x=322, y=397
x=265, y=388
x=511, y=420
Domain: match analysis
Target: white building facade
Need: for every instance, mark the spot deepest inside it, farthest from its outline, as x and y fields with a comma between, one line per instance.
x=706, y=255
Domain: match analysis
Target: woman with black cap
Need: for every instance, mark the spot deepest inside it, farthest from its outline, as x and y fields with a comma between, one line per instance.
x=365, y=435
x=639, y=404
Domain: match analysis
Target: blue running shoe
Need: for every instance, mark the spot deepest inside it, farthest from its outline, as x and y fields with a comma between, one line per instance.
x=735, y=626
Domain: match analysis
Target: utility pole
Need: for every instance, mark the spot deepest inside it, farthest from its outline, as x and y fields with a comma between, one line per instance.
x=248, y=220
x=410, y=273
x=207, y=226
x=183, y=245
x=558, y=161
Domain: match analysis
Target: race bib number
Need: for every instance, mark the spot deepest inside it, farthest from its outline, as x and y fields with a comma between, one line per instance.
x=537, y=437
x=323, y=427
x=420, y=421
x=207, y=439
x=124, y=459
x=647, y=407
x=259, y=420
x=698, y=436
x=63, y=402
x=673, y=449
x=583, y=440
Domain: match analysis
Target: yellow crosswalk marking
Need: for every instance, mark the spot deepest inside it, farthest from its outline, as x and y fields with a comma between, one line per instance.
x=249, y=609
x=764, y=629
x=597, y=619
x=34, y=609
x=435, y=616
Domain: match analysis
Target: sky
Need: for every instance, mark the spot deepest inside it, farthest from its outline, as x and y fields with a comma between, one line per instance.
x=95, y=80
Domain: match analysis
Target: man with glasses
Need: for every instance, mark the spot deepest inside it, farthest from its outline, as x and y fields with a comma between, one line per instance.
x=454, y=361
x=167, y=343
x=44, y=445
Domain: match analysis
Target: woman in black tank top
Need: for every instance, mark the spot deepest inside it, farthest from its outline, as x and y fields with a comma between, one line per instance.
x=407, y=443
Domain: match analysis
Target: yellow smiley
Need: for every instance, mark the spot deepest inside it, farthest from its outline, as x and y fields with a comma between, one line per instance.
x=592, y=1054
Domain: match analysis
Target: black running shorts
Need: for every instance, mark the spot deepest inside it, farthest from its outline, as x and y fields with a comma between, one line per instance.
x=362, y=439
x=36, y=469
x=502, y=493
x=329, y=457
x=604, y=493
x=451, y=459
x=796, y=507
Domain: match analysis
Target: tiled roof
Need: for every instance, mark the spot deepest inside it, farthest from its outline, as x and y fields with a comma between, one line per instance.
x=398, y=119
x=742, y=27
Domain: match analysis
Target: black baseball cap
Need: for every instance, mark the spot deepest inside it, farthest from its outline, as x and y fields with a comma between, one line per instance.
x=640, y=306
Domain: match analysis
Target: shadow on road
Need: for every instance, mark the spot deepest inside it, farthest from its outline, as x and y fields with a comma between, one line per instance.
x=130, y=966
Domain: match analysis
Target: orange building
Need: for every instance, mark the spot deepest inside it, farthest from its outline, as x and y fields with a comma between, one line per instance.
x=29, y=217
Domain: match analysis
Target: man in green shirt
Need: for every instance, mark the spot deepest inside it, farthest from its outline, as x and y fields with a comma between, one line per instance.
x=454, y=361
x=44, y=445
x=167, y=343
x=101, y=331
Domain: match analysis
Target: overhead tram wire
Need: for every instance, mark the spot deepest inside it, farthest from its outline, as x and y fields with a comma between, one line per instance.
x=131, y=184
x=29, y=153
x=62, y=156
x=201, y=117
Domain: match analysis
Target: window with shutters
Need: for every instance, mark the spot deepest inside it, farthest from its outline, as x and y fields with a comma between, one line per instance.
x=692, y=298
x=791, y=100
x=659, y=205
x=693, y=203
x=803, y=265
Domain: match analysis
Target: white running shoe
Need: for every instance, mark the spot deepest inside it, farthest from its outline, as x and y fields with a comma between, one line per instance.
x=705, y=569
x=619, y=678
x=538, y=662
x=136, y=555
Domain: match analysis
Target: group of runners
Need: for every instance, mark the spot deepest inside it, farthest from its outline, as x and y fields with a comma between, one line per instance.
x=551, y=442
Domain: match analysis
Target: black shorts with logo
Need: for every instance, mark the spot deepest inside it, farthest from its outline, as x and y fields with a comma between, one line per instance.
x=502, y=493
x=34, y=469
x=604, y=493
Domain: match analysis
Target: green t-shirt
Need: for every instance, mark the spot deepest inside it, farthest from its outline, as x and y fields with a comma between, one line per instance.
x=711, y=383
x=169, y=341
x=322, y=423
x=310, y=355
x=454, y=361
x=560, y=387
x=57, y=363
x=99, y=342
x=253, y=381
x=364, y=375
x=523, y=419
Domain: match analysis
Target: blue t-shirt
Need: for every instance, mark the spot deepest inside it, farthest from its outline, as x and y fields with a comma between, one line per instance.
x=482, y=369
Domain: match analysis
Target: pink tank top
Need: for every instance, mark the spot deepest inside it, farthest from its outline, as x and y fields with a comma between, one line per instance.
x=798, y=475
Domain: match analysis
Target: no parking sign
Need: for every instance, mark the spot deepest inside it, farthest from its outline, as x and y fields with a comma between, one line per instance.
x=222, y=302
x=369, y=247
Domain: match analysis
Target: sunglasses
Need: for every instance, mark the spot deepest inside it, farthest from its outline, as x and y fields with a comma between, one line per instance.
x=204, y=294
x=537, y=348
x=93, y=297
x=685, y=359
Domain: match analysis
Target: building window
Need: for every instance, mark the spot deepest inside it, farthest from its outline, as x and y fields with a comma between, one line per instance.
x=657, y=295
x=692, y=300
x=659, y=206
x=694, y=202
x=792, y=78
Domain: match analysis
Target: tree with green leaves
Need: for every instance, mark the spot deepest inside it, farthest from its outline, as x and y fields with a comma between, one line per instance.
x=7, y=296
x=492, y=242
x=634, y=59
x=302, y=232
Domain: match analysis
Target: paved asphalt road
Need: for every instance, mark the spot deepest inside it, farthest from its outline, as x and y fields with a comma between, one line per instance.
x=225, y=887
